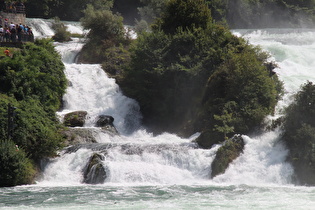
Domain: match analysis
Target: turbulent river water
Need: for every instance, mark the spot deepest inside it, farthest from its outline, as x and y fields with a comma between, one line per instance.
x=169, y=172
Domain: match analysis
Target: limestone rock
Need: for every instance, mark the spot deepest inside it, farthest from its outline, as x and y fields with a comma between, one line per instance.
x=80, y=135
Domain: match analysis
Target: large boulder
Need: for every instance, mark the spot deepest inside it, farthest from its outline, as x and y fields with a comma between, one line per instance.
x=106, y=123
x=79, y=135
x=75, y=119
x=228, y=152
x=208, y=138
x=104, y=120
x=94, y=171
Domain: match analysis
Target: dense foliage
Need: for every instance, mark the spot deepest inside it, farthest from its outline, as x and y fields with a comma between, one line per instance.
x=64, y=9
x=15, y=167
x=195, y=75
x=299, y=134
x=235, y=13
x=32, y=80
x=61, y=33
x=107, y=37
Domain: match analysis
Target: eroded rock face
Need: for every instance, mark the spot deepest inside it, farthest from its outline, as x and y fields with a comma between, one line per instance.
x=80, y=136
x=94, y=171
x=228, y=152
x=75, y=119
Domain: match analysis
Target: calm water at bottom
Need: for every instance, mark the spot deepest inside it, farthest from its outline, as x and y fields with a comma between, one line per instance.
x=157, y=197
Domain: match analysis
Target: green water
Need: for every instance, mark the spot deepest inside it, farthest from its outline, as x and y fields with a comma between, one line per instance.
x=158, y=197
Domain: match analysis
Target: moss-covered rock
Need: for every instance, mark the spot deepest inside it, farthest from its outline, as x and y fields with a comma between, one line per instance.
x=75, y=119
x=229, y=151
x=79, y=135
x=94, y=172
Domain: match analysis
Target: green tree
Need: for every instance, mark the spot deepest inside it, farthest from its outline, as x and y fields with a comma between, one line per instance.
x=64, y=9
x=184, y=14
x=106, y=31
x=178, y=74
x=243, y=87
x=34, y=71
x=61, y=33
x=151, y=9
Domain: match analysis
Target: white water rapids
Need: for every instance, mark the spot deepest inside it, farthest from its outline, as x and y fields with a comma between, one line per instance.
x=165, y=171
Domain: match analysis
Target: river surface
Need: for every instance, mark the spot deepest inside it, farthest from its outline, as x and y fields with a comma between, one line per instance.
x=165, y=171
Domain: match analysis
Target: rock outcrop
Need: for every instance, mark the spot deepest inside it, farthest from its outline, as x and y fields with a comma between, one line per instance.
x=106, y=123
x=80, y=135
x=208, y=138
x=228, y=152
x=94, y=171
x=75, y=119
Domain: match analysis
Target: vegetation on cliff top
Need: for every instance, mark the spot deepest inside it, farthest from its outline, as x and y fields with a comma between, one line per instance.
x=33, y=81
x=195, y=75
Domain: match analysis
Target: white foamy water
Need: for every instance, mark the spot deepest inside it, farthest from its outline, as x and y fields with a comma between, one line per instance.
x=263, y=160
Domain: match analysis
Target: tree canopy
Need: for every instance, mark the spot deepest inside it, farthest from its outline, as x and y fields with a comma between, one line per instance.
x=195, y=75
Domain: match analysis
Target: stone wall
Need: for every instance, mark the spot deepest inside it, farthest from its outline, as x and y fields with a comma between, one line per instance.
x=16, y=18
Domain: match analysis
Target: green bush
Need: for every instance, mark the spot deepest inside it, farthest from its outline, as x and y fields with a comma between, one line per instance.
x=185, y=15
x=61, y=33
x=240, y=93
x=106, y=31
x=34, y=71
x=15, y=167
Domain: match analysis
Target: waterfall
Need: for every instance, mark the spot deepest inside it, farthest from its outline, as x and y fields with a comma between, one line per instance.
x=136, y=157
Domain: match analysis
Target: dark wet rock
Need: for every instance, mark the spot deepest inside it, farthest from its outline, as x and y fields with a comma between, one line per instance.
x=106, y=123
x=110, y=129
x=229, y=151
x=94, y=172
x=208, y=138
x=75, y=119
x=104, y=120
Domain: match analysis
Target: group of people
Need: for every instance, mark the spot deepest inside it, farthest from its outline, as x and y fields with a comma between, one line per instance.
x=15, y=32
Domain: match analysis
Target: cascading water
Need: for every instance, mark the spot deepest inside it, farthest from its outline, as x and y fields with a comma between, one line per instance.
x=140, y=158
x=149, y=172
